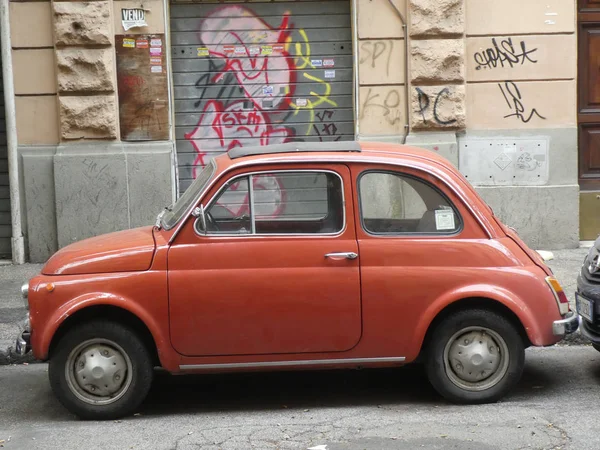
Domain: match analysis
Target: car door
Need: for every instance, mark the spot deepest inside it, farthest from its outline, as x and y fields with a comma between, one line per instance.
x=272, y=268
x=416, y=242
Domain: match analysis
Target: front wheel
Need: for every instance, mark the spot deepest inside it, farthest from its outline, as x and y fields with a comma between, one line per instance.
x=475, y=356
x=100, y=370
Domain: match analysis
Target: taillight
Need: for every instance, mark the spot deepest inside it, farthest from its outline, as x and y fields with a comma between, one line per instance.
x=559, y=295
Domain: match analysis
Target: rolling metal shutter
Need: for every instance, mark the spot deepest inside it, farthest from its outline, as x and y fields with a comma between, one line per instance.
x=257, y=74
x=5, y=224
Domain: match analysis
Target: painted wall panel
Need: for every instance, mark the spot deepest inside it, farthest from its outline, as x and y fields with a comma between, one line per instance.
x=34, y=71
x=535, y=57
x=521, y=105
x=487, y=17
x=379, y=19
x=38, y=19
x=382, y=110
x=37, y=119
x=381, y=61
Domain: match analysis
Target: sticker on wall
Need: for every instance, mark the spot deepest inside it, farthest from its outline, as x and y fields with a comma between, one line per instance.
x=133, y=18
x=316, y=62
x=267, y=90
x=300, y=102
x=240, y=50
x=129, y=43
x=254, y=50
x=156, y=69
x=444, y=219
x=330, y=74
x=266, y=50
x=155, y=42
x=203, y=51
x=141, y=43
x=328, y=63
x=278, y=48
x=155, y=60
x=156, y=51
x=228, y=48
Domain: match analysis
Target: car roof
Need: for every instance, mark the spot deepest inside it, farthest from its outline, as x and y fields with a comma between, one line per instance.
x=295, y=147
x=341, y=151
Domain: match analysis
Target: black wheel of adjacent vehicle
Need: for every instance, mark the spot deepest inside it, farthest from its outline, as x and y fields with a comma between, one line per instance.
x=596, y=346
x=475, y=356
x=100, y=370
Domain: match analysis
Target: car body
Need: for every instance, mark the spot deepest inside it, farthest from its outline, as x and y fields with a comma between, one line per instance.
x=299, y=256
x=587, y=296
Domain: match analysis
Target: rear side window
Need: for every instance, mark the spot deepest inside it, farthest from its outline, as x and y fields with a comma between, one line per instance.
x=392, y=203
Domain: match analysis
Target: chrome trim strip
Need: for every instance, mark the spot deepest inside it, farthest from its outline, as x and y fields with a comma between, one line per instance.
x=251, y=198
x=326, y=159
x=301, y=363
x=254, y=234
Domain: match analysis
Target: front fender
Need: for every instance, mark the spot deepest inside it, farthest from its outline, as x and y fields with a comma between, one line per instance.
x=487, y=291
x=46, y=330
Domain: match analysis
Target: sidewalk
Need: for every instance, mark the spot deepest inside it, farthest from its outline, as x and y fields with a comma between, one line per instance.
x=566, y=266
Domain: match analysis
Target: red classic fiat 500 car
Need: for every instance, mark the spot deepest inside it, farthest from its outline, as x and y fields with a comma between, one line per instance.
x=298, y=256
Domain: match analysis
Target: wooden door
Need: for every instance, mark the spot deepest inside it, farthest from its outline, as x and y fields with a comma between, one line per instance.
x=589, y=94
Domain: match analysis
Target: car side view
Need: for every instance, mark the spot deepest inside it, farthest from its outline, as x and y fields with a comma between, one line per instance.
x=298, y=256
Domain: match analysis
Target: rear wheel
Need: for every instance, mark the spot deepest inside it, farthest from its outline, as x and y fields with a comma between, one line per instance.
x=100, y=370
x=596, y=346
x=475, y=356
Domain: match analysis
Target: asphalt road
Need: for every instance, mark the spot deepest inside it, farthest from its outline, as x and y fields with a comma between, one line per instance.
x=555, y=406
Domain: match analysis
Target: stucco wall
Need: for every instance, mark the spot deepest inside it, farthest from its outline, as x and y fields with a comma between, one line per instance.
x=435, y=73
x=78, y=179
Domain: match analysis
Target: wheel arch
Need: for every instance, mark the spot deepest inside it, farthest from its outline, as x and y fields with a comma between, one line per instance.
x=474, y=303
x=111, y=313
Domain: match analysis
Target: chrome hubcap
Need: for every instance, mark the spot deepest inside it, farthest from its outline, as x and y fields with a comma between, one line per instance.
x=98, y=371
x=476, y=358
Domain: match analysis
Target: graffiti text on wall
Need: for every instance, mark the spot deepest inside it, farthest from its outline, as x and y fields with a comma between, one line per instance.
x=255, y=69
x=515, y=100
x=386, y=103
x=503, y=54
x=428, y=105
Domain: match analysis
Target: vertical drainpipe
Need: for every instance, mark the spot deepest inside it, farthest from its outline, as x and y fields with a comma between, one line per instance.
x=17, y=241
x=406, y=74
x=355, y=64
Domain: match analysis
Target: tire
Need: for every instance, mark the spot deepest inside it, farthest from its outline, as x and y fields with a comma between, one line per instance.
x=475, y=356
x=596, y=346
x=111, y=355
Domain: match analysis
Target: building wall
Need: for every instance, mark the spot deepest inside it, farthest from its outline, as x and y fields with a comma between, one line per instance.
x=475, y=80
x=79, y=178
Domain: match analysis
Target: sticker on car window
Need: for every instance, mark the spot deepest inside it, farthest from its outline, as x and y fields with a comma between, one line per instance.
x=444, y=220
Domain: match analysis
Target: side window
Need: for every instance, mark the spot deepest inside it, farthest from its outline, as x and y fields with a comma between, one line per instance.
x=230, y=213
x=278, y=203
x=298, y=203
x=391, y=203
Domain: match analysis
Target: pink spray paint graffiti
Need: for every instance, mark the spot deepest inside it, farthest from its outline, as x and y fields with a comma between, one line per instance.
x=251, y=75
x=241, y=123
x=222, y=128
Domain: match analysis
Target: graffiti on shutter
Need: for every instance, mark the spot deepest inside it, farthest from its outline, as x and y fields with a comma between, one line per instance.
x=246, y=74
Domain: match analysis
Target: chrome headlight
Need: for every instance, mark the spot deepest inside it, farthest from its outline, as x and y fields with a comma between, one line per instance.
x=25, y=294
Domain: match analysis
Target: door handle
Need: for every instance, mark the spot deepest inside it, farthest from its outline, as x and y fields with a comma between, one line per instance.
x=342, y=255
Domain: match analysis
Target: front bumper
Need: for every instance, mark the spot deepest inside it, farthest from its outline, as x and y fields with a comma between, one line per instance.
x=23, y=342
x=567, y=325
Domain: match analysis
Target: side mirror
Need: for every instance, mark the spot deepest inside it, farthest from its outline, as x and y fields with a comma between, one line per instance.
x=198, y=213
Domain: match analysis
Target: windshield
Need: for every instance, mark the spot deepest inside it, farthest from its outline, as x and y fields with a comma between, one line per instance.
x=174, y=212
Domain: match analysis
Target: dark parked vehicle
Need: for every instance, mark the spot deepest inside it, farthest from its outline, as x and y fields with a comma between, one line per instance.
x=588, y=295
